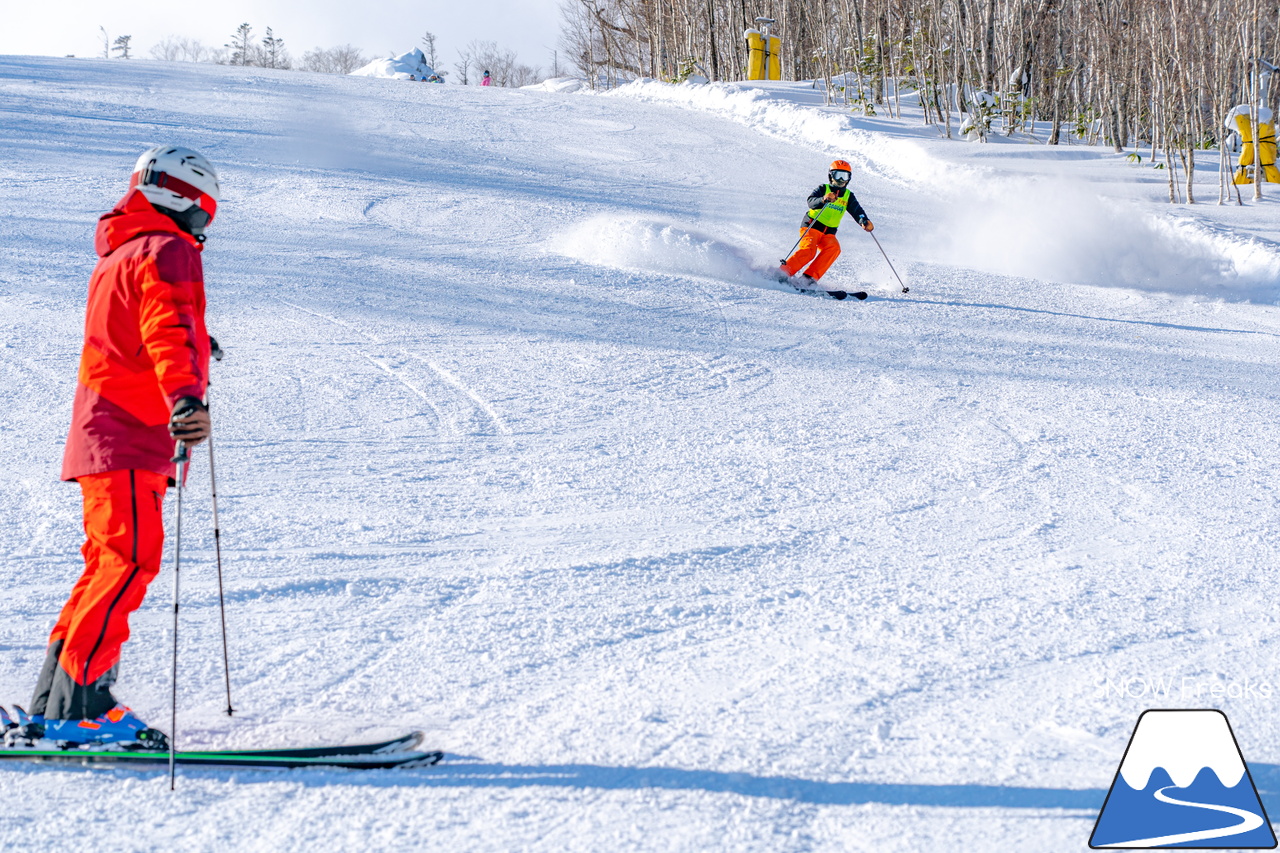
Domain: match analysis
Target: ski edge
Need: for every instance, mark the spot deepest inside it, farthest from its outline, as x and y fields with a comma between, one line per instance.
x=404, y=743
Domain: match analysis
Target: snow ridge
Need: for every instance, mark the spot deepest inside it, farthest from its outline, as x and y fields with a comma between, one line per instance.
x=656, y=246
x=901, y=161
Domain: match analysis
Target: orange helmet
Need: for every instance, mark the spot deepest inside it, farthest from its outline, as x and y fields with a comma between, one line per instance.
x=840, y=173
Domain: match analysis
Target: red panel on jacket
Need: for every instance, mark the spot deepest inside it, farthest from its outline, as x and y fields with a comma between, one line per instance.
x=145, y=343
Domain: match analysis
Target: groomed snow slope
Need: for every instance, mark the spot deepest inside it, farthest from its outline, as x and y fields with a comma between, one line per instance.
x=514, y=445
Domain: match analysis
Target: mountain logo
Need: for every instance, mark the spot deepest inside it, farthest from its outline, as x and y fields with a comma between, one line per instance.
x=1181, y=783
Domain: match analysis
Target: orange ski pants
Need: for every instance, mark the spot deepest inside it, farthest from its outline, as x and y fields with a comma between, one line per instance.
x=825, y=247
x=124, y=540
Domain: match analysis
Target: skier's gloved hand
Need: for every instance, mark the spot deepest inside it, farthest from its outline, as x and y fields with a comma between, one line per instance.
x=214, y=349
x=830, y=196
x=190, y=421
x=867, y=226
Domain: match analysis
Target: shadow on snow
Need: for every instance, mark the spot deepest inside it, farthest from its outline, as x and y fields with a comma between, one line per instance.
x=461, y=773
x=465, y=775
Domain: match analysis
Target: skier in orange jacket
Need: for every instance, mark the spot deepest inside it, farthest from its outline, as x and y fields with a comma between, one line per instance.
x=142, y=381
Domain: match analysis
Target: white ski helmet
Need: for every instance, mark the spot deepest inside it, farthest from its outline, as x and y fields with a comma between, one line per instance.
x=181, y=182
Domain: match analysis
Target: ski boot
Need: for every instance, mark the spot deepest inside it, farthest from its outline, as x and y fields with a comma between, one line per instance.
x=119, y=726
x=25, y=732
x=807, y=284
x=7, y=725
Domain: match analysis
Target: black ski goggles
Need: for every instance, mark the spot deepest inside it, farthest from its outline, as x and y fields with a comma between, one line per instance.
x=193, y=220
x=839, y=176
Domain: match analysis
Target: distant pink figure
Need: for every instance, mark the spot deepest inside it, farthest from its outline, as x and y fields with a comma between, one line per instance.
x=486, y=81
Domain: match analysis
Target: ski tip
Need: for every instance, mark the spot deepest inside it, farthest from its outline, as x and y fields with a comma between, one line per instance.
x=408, y=743
x=428, y=759
x=860, y=295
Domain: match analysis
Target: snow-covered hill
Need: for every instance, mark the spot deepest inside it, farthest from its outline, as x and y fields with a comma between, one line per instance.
x=515, y=445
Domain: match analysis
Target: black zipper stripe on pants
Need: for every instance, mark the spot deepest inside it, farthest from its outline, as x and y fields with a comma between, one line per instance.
x=133, y=500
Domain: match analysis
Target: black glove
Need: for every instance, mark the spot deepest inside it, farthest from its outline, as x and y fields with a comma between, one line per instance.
x=214, y=349
x=185, y=407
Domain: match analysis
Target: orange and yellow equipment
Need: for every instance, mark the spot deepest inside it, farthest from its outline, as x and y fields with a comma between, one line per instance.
x=764, y=56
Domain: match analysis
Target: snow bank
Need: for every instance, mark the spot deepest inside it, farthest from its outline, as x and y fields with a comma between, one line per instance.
x=902, y=161
x=561, y=85
x=407, y=66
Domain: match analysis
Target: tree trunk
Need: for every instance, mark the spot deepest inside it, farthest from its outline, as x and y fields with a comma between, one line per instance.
x=989, y=50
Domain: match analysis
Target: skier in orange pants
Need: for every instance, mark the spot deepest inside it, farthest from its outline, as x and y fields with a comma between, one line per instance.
x=818, y=247
x=143, y=374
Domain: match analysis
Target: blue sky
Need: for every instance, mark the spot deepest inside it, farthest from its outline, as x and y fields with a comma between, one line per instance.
x=529, y=27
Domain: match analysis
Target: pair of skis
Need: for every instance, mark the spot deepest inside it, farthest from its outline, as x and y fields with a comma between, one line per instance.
x=381, y=755
x=783, y=278
x=385, y=755
x=832, y=294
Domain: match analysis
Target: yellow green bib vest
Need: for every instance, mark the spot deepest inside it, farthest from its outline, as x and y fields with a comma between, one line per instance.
x=834, y=211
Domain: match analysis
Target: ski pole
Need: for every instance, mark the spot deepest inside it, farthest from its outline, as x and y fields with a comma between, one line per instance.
x=216, y=352
x=889, y=262
x=217, y=550
x=812, y=222
x=183, y=460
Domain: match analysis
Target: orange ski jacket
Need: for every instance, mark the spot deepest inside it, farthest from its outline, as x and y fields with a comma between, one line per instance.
x=145, y=343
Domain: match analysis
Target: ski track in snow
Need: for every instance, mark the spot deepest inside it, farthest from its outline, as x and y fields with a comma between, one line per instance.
x=457, y=383
x=519, y=444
